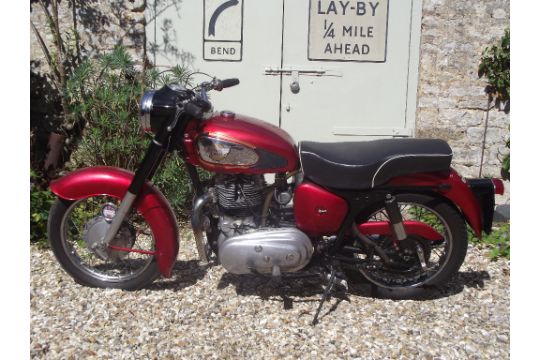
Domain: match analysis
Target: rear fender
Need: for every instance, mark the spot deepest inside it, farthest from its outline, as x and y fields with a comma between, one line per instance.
x=451, y=186
x=152, y=205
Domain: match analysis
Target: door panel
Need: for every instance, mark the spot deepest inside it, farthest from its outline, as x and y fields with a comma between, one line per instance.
x=257, y=95
x=347, y=100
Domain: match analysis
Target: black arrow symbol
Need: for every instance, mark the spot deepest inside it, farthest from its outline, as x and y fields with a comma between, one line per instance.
x=217, y=12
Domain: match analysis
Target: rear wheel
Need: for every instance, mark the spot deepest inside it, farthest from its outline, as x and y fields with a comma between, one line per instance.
x=416, y=262
x=75, y=229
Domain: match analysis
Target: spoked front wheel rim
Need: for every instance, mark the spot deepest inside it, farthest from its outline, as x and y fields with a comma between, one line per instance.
x=81, y=217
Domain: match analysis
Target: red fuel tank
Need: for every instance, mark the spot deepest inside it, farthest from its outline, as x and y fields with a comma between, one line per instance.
x=228, y=142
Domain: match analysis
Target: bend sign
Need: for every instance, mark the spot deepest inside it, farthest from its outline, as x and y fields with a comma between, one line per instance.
x=222, y=30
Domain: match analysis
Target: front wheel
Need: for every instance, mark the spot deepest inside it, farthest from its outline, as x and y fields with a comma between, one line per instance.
x=416, y=263
x=75, y=229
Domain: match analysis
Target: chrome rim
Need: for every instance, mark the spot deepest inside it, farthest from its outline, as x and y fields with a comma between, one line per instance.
x=436, y=253
x=121, y=267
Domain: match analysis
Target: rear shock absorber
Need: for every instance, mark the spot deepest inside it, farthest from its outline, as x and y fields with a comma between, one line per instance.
x=394, y=214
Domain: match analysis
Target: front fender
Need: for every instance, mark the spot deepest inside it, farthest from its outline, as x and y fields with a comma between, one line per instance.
x=451, y=186
x=152, y=205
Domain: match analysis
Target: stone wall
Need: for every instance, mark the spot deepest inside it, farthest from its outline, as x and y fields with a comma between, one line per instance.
x=451, y=99
x=101, y=25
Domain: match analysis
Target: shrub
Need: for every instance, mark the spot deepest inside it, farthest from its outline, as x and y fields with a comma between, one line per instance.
x=105, y=93
x=41, y=200
x=174, y=181
x=495, y=66
x=498, y=242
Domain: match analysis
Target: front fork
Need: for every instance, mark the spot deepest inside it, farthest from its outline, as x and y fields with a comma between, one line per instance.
x=146, y=171
x=197, y=223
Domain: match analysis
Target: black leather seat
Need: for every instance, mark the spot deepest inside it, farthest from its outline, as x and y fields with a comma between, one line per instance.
x=367, y=164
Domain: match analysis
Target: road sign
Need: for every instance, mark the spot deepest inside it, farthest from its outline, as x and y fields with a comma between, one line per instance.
x=348, y=30
x=222, y=31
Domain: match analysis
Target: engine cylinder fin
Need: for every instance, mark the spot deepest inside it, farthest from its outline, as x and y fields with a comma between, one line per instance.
x=240, y=194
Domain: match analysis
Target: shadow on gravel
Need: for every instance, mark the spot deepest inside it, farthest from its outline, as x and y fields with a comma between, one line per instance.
x=268, y=289
x=463, y=279
x=309, y=290
x=184, y=274
x=289, y=291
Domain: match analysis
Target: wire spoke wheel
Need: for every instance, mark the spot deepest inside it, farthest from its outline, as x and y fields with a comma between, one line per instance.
x=76, y=231
x=416, y=261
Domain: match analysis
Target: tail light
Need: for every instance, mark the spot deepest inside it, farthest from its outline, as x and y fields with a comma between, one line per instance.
x=498, y=185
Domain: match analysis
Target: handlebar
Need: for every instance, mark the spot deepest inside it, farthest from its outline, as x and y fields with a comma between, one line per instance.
x=199, y=104
x=218, y=85
x=229, y=82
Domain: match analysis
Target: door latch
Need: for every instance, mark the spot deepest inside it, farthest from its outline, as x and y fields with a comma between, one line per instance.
x=295, y=84
x=290, y=70
x=295, y=72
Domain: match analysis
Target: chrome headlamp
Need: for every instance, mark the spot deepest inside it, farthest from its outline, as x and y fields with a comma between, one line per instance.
x=145, y=109
x=157, y=106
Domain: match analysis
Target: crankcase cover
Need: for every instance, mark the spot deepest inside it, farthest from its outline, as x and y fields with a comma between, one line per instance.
x=260, y=252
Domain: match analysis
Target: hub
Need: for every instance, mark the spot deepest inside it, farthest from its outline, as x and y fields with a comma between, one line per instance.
x=94, y=234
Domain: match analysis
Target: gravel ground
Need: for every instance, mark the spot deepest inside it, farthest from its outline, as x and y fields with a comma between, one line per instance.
x=208, y=313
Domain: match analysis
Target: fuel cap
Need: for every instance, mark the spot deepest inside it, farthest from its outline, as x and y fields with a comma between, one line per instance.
x=228, y=114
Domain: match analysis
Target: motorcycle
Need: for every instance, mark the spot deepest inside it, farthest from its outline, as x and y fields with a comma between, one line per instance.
x=391, y=211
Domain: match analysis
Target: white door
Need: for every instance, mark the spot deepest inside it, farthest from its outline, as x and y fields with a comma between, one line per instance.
x=353, y=65
x=353, y=75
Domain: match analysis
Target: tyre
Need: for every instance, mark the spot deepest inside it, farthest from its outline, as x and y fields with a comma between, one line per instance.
x=418, y=264
x=75, y=229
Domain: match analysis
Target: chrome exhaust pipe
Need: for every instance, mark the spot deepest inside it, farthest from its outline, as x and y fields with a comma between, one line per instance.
x=197, y=224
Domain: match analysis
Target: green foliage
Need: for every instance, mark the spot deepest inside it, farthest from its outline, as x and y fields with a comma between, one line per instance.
x=105, y=93
x=176, y=74
x=498, y=242
x=495, y=66
x=173, y=180
x=40, y=203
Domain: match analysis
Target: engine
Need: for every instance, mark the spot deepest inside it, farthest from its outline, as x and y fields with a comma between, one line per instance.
x=240, y=195
x=243, y=245
x=240, y=199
